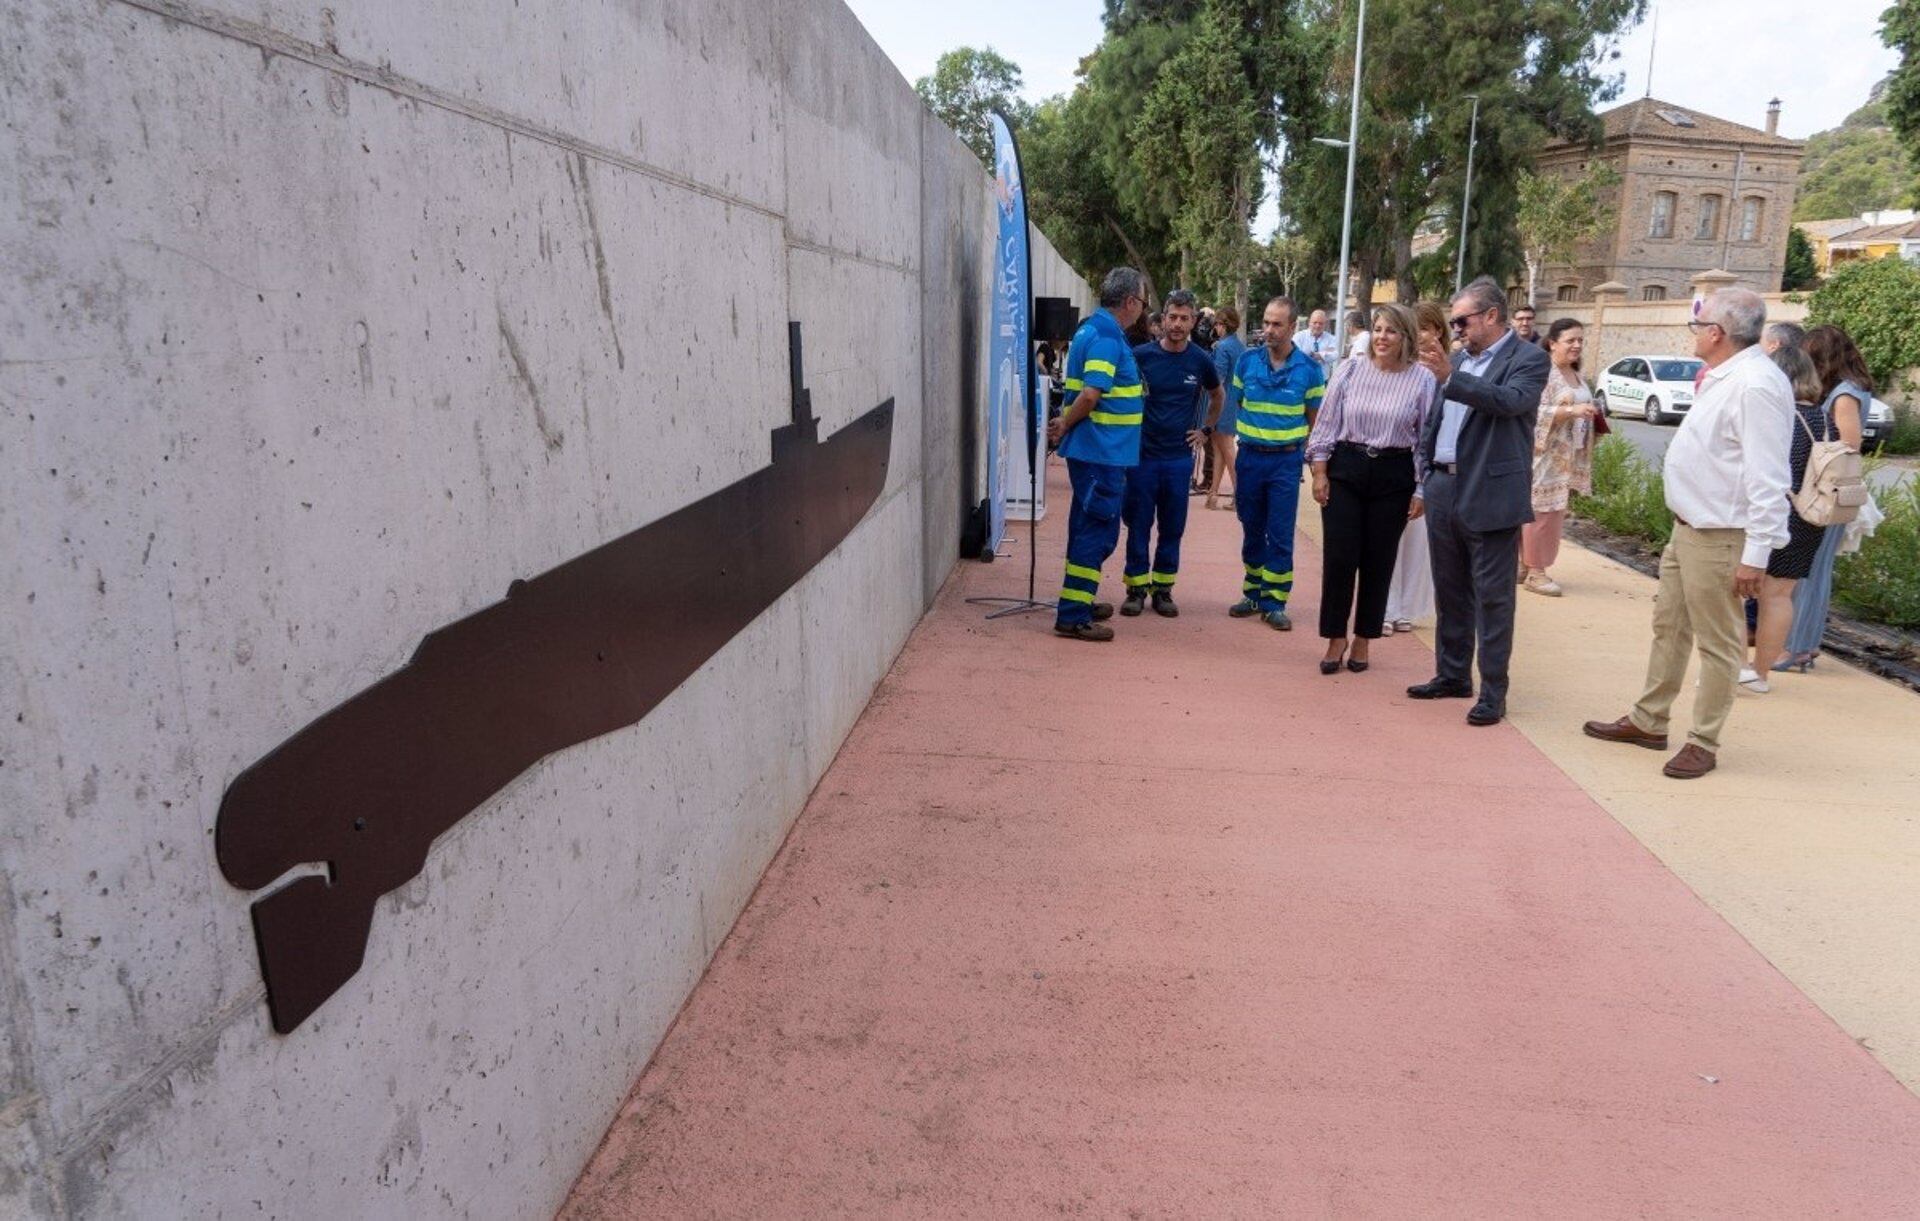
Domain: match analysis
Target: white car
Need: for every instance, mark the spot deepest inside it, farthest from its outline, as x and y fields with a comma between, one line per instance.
x=1655, y=388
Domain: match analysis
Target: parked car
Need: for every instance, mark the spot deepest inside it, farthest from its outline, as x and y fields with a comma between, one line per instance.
x=1876, y=425
x=1655, y=388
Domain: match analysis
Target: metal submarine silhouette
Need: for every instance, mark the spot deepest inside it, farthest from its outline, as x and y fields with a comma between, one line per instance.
x=581, y=650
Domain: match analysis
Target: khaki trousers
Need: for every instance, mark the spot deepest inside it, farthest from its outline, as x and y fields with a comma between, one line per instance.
x=1695, y=605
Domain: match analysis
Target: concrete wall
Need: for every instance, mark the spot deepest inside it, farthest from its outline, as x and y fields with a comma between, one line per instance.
x=324, y=324
x=1645, y=328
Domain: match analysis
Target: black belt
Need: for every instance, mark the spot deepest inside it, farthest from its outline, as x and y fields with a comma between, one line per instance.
x=1271, y=449
x=1373, y=451
x=1447, y=468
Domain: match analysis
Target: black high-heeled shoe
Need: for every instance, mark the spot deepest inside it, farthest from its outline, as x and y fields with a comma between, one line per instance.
x=1332, y=666
x=1357, y=665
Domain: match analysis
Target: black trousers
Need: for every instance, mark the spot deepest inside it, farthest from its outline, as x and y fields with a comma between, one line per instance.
x=1361, y=522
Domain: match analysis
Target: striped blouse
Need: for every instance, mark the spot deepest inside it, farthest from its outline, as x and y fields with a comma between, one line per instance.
x=1368, y=406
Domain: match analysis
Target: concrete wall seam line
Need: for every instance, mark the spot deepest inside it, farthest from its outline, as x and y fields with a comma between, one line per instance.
x=98, y=1126
x=277, y=42
x=834, y=252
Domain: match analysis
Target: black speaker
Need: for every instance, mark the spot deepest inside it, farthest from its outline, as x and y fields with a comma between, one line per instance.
x=1054, y=318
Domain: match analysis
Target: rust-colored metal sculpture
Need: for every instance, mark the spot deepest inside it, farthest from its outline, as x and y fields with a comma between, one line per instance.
x=578, y=651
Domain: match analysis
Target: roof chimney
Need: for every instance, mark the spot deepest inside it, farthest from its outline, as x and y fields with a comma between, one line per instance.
x=1773, y=117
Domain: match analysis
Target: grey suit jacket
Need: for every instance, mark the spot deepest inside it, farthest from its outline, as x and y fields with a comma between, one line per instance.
x=1494, y=488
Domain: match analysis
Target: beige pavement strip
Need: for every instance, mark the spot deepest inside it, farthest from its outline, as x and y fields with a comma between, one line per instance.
x=1807, y=837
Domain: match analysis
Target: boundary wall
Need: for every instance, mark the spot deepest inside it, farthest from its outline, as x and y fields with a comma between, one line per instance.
x=323, y=325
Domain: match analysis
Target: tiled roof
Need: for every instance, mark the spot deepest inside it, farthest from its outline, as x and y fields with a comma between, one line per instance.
x=1908, y=230
x=1655, y=119
x=1844, y=226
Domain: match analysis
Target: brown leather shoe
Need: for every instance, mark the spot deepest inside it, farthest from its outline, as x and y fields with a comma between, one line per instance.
x=1624, y=730
x=1691, y=763
x=1084, y=631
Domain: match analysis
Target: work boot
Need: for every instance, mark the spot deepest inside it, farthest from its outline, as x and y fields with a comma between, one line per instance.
x=1102, y=610
x=1245, y=608
x=1136, y=602
x=1277, y=620
x=1163, y=604
x=1084, y=631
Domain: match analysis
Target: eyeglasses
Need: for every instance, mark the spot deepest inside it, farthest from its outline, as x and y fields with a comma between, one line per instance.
x=1695, y=324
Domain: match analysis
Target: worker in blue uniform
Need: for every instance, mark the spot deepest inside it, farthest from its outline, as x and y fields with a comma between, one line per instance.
x=1099, y=436
x=1179, y=376
x=1277, y=389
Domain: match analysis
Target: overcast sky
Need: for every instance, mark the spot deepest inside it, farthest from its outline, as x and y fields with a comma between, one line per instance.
x=1725, y=57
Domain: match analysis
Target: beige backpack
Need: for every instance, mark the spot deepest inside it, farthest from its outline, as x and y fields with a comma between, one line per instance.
x=1834, y=487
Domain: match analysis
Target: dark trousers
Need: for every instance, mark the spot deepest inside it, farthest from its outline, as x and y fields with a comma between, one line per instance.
x=1266, y=498
x=1473, y=591
x=1366, y=510
x=1093, y=527
x=1156, y=489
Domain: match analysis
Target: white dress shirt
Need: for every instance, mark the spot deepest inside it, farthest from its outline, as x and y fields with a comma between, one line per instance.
x=1322, y=347
x=1728, y=468
x=1453, y=413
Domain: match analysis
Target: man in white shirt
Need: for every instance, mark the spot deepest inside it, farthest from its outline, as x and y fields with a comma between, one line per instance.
x=1726, y=484
x=1319, y=343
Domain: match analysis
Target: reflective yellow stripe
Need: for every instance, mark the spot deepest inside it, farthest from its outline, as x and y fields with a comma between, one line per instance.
x=1113, y=417
x=1123, y=392
x=1142, y=579
x=1074, y=383
x=1237, y=383
x=1075, y=595
x=1161, y=578
x=1085, y=574
x=1276, y=578
x=1099, y=366
x=1316, y=392
x=1274, y=408
x=1276, y=436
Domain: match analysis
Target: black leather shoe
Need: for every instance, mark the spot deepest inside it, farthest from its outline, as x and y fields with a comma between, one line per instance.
x=1484, y=713
x=1136, y=601
x=1440, y=689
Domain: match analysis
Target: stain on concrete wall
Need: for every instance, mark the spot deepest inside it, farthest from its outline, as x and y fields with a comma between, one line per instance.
x=327, y=323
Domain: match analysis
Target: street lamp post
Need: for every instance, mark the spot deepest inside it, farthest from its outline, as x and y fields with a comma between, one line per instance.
x=1346, y=222
x=1466, y=200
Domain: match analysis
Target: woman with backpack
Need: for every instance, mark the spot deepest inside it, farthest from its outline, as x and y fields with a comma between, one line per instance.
x=1788, y=565
x=1847, y=390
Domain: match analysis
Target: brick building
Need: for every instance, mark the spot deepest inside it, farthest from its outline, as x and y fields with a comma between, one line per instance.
x=1696, y=193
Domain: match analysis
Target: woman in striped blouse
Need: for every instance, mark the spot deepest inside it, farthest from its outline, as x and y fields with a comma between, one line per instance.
x=1361, y=450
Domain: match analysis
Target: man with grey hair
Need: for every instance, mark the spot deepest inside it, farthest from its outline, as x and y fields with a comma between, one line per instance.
x=1477, y=451
x=1319, y=342
x=1782, y=335
x=1726, y=480
x=1099, y=436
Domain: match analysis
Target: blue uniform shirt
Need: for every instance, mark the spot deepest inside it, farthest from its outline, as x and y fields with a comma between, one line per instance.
x=1175, y=382
x=1099, y=357
x=1273, y=402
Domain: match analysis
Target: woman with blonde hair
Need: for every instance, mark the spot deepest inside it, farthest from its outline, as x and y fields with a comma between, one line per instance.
x=1562, y=456
x=1410, y=593
x=1364, y=479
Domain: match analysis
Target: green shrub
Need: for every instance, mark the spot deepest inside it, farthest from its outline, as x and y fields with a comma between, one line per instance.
x=1875, y=302
x=1905, y=438
x=1627, y=496
x=1881, y=581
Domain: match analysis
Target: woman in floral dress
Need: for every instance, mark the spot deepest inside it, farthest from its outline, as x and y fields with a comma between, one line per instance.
x=1562, y=456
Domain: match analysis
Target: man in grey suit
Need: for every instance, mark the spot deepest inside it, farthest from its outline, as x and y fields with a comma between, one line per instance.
x=1477, y=452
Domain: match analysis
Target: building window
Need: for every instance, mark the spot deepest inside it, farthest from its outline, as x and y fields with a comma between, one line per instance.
x=1653, y=292
x=1568, y=292
x=1709, y=226
x=1662, y=223
x=1752, y=209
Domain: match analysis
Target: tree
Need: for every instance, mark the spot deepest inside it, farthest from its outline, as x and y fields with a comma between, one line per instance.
x=966, y=87
x=1875, y=302
x=1900, y=29
x=1196, y=146
x=1559, y=213
x=1801, y=270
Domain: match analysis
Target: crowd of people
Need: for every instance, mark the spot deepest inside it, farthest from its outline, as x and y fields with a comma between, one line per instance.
x=1443, y=450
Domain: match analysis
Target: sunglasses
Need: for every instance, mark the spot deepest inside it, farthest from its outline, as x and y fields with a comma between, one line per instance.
x=1459, y=321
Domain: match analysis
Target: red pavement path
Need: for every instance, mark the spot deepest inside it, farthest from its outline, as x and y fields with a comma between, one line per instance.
x=1177, y=927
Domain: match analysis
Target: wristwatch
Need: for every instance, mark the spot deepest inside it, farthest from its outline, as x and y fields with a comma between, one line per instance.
x=1206, y=430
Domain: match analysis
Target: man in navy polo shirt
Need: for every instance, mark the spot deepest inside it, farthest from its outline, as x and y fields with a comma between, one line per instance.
x=1175, y=373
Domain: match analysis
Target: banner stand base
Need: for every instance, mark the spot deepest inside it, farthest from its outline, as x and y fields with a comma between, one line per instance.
x=1014, y=606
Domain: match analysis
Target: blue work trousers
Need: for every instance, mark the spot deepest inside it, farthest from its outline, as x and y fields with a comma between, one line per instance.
x=1266, y=498
x=1093, y=529
x=1156, y=489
